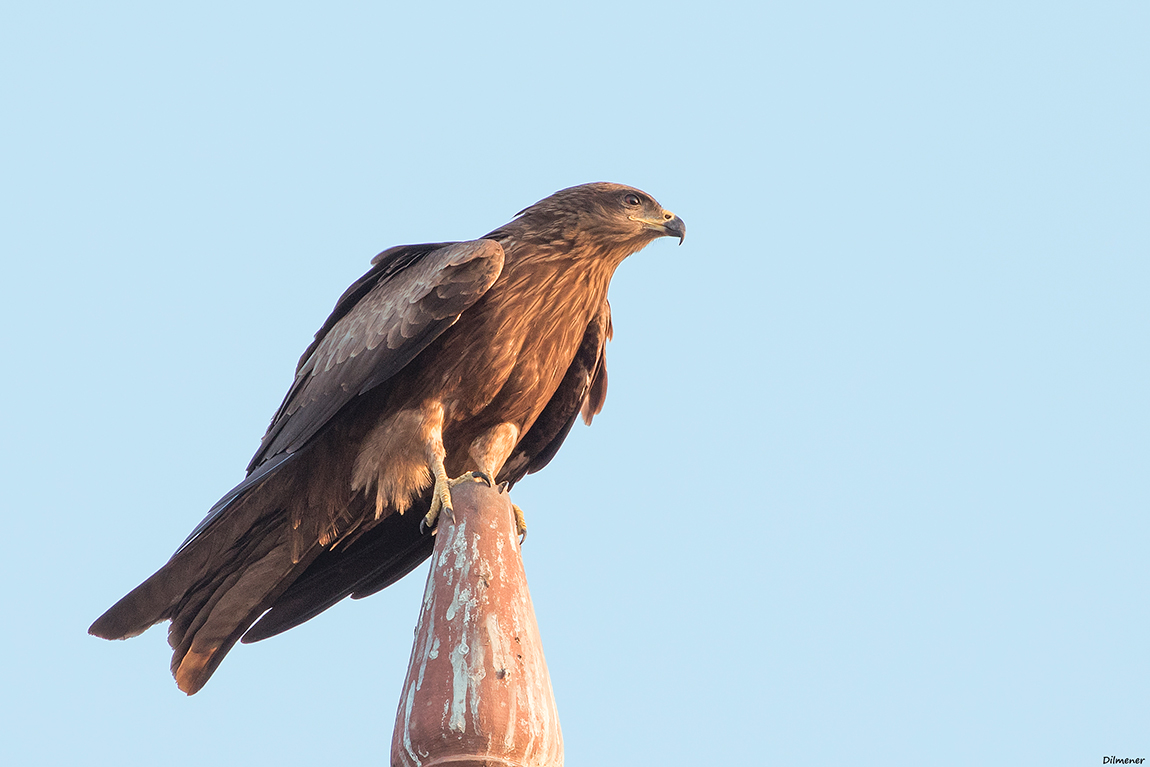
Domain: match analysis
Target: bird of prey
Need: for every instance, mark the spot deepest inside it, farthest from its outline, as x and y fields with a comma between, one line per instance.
x=445, y=362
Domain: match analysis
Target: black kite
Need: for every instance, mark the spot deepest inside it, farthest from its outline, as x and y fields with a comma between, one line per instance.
x=451, y=359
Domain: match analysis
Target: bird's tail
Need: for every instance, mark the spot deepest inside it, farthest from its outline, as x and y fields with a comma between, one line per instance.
x=219, y=582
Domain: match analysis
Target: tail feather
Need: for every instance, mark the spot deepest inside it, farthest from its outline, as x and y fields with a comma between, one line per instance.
x=234, y=605
x=276, y=558
x=144, y=606
x=386, y=551
x=218, y=583
x=161, y=596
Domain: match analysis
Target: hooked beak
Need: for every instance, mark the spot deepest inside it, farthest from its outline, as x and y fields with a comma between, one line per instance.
x=669, y=225
x=674, y=227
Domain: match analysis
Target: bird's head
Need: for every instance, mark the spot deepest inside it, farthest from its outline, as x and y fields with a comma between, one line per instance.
x=621, y=218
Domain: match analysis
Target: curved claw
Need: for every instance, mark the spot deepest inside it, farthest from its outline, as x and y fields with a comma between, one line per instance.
x=479, y=475
x=430, y=520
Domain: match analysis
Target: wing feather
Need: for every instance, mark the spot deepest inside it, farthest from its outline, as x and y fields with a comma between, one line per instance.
x=419, y=289
x=379, y=326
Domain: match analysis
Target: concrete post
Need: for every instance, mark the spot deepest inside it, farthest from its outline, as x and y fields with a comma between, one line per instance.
x=477, y=689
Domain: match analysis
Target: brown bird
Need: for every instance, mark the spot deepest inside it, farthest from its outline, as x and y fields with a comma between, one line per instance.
x=445, y=362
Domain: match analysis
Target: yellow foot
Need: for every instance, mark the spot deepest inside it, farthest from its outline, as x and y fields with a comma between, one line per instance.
x=520, y=523
x=441, y=495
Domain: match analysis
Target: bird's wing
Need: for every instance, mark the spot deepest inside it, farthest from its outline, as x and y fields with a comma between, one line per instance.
x=392, y=548
x=409, y=297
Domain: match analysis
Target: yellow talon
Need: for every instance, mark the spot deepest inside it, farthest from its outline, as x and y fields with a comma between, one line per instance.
x=520, y=523
x=441, y=494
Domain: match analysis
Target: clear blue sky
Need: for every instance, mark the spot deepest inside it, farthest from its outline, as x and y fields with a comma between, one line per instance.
x=872, y=481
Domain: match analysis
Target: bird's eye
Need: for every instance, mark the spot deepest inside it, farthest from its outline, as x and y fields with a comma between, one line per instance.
x=631, y=199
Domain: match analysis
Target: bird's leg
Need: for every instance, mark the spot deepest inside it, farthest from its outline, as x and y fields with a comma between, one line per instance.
x=520, y=523
x=440, y=495
x=489, y=451
x=441, y=492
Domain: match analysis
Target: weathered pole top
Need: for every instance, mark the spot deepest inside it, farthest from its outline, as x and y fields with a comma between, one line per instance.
x=477, y=690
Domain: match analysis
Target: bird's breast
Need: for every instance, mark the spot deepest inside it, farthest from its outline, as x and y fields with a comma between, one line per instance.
x=507, y=355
